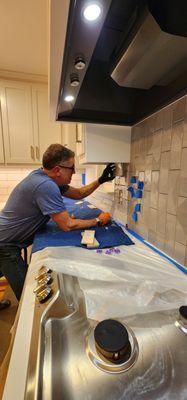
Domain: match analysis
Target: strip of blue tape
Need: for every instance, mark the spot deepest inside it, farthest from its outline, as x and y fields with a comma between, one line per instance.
x=179, y=266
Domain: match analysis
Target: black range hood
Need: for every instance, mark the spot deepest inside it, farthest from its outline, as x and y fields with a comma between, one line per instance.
x=135, y=61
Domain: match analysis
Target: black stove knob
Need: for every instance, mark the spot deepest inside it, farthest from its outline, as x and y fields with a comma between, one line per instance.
x=183, y=312
x=111, y=339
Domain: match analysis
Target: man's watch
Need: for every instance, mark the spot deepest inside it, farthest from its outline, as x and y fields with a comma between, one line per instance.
x=99, y=222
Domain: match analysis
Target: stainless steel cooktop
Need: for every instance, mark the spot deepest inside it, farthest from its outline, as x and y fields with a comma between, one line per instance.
x=71, y=357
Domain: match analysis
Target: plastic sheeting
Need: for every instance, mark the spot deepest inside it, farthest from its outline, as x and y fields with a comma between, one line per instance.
x=137, y=280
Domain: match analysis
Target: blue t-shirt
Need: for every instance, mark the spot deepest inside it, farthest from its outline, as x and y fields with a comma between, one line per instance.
x=28, y=208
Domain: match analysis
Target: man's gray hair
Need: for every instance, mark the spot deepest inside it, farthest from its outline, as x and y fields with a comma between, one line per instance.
x=55, y=154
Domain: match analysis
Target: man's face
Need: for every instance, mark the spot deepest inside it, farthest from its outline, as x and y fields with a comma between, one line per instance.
x=64, y=171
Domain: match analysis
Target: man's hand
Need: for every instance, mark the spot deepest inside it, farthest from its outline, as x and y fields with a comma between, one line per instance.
x=104, y=217
x=108, y=173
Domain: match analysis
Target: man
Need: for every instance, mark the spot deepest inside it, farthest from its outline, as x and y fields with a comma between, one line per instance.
x=34, y=201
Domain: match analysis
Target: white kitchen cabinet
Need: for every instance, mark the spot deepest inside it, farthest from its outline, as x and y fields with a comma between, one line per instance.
x=2, y=159
x=100, y=144
x=16, y=106
x=69, y=135
x=46, y=132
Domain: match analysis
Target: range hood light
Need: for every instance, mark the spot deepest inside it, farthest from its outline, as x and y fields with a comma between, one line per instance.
x=80, y=63
x=74, y=80
x=69, y=98
x=92, y=12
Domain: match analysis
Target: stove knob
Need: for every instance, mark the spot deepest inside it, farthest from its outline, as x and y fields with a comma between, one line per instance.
x=112, y=340
x=183, y=314
x=45, y=269
x=43, y=292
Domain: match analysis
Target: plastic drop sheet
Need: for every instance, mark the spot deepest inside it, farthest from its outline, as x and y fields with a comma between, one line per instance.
x=137, y=280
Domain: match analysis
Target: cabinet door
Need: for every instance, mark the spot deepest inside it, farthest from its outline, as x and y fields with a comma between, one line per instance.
x=80, y=140
x=2, y=160
x=69, y=135
x=46, y=132
x=17, y=122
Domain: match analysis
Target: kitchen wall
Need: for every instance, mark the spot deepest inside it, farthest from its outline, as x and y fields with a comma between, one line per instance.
x=159, y=158
x=11, y=176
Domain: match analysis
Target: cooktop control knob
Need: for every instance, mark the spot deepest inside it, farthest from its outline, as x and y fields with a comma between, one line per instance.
x=112, y=340
x=183, y=314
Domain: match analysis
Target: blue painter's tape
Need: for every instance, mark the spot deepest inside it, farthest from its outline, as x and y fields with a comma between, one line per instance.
x=140, y=185
x=83, y=179
x=131, y=190
x=133, y=179
x=138, y=194
x=134, y=216
x=137, y=208
x=175, y=263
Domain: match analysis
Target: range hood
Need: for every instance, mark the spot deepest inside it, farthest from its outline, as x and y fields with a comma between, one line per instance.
x=125, y=66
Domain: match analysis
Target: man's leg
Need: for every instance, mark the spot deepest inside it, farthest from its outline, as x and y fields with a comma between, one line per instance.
x=13, y=268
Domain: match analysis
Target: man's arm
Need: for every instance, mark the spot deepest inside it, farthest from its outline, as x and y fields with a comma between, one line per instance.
x=82, y=192
x=66, y=223
x=79, y=193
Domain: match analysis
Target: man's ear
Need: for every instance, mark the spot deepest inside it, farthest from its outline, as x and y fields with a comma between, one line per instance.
x=56, y=170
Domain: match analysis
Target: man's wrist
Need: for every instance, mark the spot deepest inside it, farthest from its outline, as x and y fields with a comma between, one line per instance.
x=99, y=222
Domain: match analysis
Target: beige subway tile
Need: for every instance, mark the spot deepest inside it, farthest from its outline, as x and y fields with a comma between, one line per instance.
x=176, y=145
x=149, y=130
x=167, y=124
x=183, y=174
x=14, y=177
x=173, y=191
x=3, y=190
x=3, y=176
x=154, y=189
x=148, y=171
x=3, y=198
x=160, y=239
x=152, y=219
x=179, y=110
x=162, y=207
x=170, y=234
x=146, y=198
x=181, y=223
x=164, y=171
x=162, y=202
x=166, y=139
x=179, y=253
x=145, y=215
x=157, y=142
x=158, y=120
x=161, y=221
x=184, y=141
x=152, y=237
x=143, y=231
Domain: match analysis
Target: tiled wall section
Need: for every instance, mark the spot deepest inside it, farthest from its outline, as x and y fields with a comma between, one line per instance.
x=116, y=203
x=159, y=157
x=11, y=176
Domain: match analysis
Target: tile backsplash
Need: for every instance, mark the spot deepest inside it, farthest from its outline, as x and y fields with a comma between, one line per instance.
x=159, y=153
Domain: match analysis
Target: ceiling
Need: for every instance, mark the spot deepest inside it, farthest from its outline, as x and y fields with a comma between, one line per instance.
x=24, y=37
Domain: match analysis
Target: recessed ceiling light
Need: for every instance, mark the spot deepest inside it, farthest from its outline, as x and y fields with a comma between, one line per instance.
x=69, y=98
x=92, y=12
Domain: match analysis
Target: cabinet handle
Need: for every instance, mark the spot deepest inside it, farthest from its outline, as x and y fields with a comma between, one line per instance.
x=78, y=140
x=32, y=153
x=37, y=153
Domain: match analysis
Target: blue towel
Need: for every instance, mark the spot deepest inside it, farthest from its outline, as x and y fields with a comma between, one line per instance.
x=108, y=236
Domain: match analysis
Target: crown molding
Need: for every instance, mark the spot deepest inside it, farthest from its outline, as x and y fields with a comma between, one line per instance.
x=23, y=76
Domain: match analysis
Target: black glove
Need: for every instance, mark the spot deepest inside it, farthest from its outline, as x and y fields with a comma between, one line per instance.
x=108, y=173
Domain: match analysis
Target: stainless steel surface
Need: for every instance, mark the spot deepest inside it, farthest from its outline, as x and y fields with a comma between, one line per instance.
x=60, y=366
x=105, y=365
